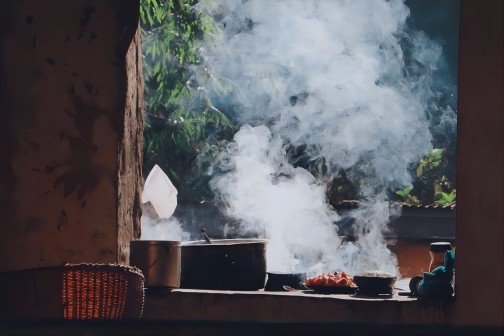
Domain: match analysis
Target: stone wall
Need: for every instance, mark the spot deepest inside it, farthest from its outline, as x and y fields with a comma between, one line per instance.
x=70, y=131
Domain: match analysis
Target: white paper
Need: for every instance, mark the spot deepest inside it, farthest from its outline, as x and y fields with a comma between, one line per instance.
x=160, y=191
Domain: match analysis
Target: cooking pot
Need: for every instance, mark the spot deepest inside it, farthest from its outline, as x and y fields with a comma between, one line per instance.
x=277, y=280
x=375, y=282
x=159, y=261
x=225, y=264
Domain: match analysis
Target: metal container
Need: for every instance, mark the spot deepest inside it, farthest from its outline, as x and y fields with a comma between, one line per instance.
x=375, y=282
x=225, y=264
x=277, y=280
x=159, y=261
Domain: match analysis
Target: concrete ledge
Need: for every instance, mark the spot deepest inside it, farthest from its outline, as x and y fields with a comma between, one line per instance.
x=212, y=328
x=292, y=307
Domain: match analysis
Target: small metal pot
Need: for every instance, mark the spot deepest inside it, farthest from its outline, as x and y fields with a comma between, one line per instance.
x=159, y=261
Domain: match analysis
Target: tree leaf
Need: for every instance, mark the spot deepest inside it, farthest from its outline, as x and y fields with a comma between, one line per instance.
x=404, y=193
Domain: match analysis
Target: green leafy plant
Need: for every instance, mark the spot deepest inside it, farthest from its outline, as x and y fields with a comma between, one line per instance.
x=178, y=117
x=431, y=186
x=404, y=193
x=430, y=162
x=443, y=198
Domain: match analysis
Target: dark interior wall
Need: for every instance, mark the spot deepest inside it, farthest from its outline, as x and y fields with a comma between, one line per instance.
x=67, y=154
x=66, y=81
x=480, y=166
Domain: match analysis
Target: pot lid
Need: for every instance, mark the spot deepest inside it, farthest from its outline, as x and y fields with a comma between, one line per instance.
x=155, y=242
x=217, y=242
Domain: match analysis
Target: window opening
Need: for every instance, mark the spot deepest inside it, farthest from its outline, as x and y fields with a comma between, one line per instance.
x=305, y=122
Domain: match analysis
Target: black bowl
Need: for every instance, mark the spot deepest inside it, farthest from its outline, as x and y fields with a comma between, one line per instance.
x=276, y=281
x=370, y=283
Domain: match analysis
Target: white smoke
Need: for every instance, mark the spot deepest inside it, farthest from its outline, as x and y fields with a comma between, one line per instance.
x=329, y=75
x=276, y=201
x=162, y=229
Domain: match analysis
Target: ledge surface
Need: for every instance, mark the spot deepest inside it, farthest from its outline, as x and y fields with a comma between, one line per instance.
x=296, y=306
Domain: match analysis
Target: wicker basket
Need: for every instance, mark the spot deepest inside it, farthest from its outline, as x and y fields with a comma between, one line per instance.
x=73, y=291
x=104, y=292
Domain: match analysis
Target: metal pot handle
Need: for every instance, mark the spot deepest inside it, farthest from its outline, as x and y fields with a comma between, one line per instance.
x=166, y=252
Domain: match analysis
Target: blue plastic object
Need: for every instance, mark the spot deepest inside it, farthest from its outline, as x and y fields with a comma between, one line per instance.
x=438, y=282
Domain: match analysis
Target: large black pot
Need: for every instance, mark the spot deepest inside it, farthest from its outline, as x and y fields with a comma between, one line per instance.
x=226, y=264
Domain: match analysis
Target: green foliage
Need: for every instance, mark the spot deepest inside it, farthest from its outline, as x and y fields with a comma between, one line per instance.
x=170, y=33
x=445, y=198
x=432, y=186
x=404, y=193
x=430, y=162
x=178, y=118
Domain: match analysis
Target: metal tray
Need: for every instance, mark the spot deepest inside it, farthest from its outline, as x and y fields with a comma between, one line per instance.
x=333, y=289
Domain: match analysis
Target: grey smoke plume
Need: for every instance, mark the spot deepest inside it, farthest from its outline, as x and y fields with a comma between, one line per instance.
x=275, y=200
x=330, y=75
x=162, y=229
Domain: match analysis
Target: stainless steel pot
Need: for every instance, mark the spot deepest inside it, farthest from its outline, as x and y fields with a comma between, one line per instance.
x=225, y=264
x=159, y=261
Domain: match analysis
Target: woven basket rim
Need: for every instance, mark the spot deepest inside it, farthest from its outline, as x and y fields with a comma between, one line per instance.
x=118, y=268
x=105, y=267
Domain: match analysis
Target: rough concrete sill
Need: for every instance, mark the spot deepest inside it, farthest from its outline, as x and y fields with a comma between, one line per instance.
x=297, y=306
